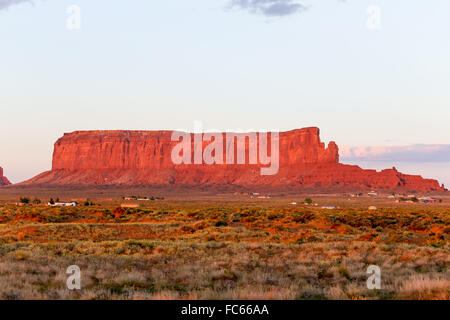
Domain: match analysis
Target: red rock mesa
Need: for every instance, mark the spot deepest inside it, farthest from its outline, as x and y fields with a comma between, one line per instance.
x=3, y=180
x=144, y=158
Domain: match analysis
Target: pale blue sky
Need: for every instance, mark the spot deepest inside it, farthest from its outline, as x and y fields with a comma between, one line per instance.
x=142, y=64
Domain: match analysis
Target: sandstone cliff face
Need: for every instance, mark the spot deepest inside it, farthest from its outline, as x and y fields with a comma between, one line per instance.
x=152, y=149
x=144, y=157
x=3, y=180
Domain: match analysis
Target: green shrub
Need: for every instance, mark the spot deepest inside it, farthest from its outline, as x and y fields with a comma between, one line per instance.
x=221, y=224
x=24, y=200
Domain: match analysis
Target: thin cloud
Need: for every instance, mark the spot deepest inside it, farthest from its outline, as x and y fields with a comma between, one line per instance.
x=4, y=4
x=412, y=153
x=269, y=8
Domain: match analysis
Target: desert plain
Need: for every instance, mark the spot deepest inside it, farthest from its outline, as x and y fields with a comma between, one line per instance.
x=221, y=245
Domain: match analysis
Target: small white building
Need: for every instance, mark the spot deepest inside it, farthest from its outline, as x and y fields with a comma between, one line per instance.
x=427, y=200
x=62, y=204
